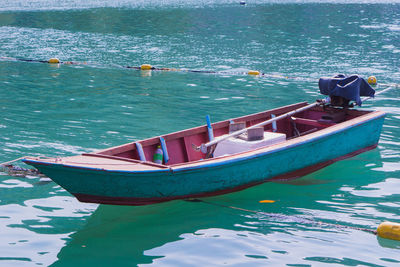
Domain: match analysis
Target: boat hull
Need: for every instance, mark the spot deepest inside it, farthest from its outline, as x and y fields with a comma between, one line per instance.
x=291, y=159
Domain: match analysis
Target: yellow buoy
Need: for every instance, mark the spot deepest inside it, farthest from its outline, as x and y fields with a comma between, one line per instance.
x=267, y=201
x=145, y=67
x=54, y=60
x=389, y=230
x=253, y=72
x=372, y=80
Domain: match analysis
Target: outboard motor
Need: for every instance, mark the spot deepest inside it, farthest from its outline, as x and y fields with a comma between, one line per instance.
x=342, y=90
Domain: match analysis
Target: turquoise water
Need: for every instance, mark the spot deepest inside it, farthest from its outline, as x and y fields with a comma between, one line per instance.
x=69, y=109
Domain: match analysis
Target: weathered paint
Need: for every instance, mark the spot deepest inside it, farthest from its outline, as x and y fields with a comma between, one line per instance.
x=217, y=176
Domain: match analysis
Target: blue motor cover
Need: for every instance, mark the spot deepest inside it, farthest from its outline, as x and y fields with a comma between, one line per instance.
x=350, y=88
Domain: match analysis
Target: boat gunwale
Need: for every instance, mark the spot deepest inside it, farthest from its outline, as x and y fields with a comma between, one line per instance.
x=33, y=160
x=262, y=151
x=238, y=157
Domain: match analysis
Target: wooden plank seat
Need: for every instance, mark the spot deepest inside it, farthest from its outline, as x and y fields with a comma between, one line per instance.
x=310, y=122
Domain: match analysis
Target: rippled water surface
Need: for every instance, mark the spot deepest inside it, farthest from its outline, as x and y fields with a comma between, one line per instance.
x=62, y=110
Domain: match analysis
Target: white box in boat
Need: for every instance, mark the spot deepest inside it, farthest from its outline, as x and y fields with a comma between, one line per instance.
x=235, y=145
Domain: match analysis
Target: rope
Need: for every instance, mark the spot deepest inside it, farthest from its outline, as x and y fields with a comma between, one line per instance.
x=43, y=61
x=377, y=93
x=292, y=218
x=17, y=171
x=11, y=161
x=148, y=67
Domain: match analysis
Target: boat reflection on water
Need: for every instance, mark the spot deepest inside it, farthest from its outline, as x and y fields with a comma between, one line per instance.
x=125, y=234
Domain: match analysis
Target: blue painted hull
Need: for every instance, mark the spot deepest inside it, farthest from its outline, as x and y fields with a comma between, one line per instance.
x=290, y=159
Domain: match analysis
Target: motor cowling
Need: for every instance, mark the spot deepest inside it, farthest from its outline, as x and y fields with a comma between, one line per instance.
x=342, y=89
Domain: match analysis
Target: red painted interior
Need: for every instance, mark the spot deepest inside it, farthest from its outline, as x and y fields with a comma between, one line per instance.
x=180, y=144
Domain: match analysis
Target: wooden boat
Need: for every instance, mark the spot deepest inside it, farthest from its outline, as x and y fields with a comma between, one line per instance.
x=303, y=139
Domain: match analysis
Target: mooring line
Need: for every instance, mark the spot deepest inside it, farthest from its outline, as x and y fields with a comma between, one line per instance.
x=292, y=218
x=11, y=161
x=17, y=171
x=147, y=67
